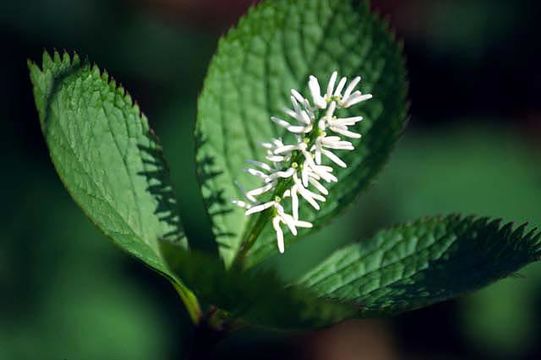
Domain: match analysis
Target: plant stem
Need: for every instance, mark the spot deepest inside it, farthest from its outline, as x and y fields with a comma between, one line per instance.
x=251, y=236
x=190, y=302
x=249, y=239
x=213, y=327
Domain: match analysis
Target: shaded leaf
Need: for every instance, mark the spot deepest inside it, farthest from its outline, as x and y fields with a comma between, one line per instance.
x=421, y=263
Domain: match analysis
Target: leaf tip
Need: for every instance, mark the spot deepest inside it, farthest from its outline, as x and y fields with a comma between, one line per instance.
x=31, y=65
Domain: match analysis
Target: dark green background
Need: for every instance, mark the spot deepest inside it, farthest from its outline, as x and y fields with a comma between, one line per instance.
x=472, y=146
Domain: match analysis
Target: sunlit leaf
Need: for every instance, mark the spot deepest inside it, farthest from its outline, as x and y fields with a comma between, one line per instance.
x=106, y=155
x=274, y=48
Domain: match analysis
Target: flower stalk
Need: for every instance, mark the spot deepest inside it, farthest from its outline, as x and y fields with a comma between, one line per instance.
x=298, y=172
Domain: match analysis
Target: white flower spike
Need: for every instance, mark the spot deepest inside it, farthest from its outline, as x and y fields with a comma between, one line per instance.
x=293, y=170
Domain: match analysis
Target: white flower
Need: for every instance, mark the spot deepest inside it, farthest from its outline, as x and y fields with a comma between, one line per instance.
x=271, y=148
x=299, y=165
x=252, y=194
x=346, y=99
x=291, y=223
x=310, y=197
x=324, y=172
x=261, y=207
x=315, y=91
x=280, y=217
x=242, y=204
x=302, y=113
x=343, y=130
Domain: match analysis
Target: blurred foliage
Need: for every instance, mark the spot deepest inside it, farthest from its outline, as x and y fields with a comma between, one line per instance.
x=478, y=30
x=64, y=290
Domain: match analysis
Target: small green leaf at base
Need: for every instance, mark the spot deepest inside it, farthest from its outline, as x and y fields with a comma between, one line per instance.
x=259, y=298
x=424, y=262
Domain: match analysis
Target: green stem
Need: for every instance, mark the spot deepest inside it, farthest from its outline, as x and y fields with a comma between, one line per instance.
x=190, y=302
x=249, y=239
x=251, y=236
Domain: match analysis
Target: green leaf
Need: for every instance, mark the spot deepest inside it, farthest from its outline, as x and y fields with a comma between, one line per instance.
x=421, y=263
x=258, y=297
x=274, y=48
x=106, y=155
